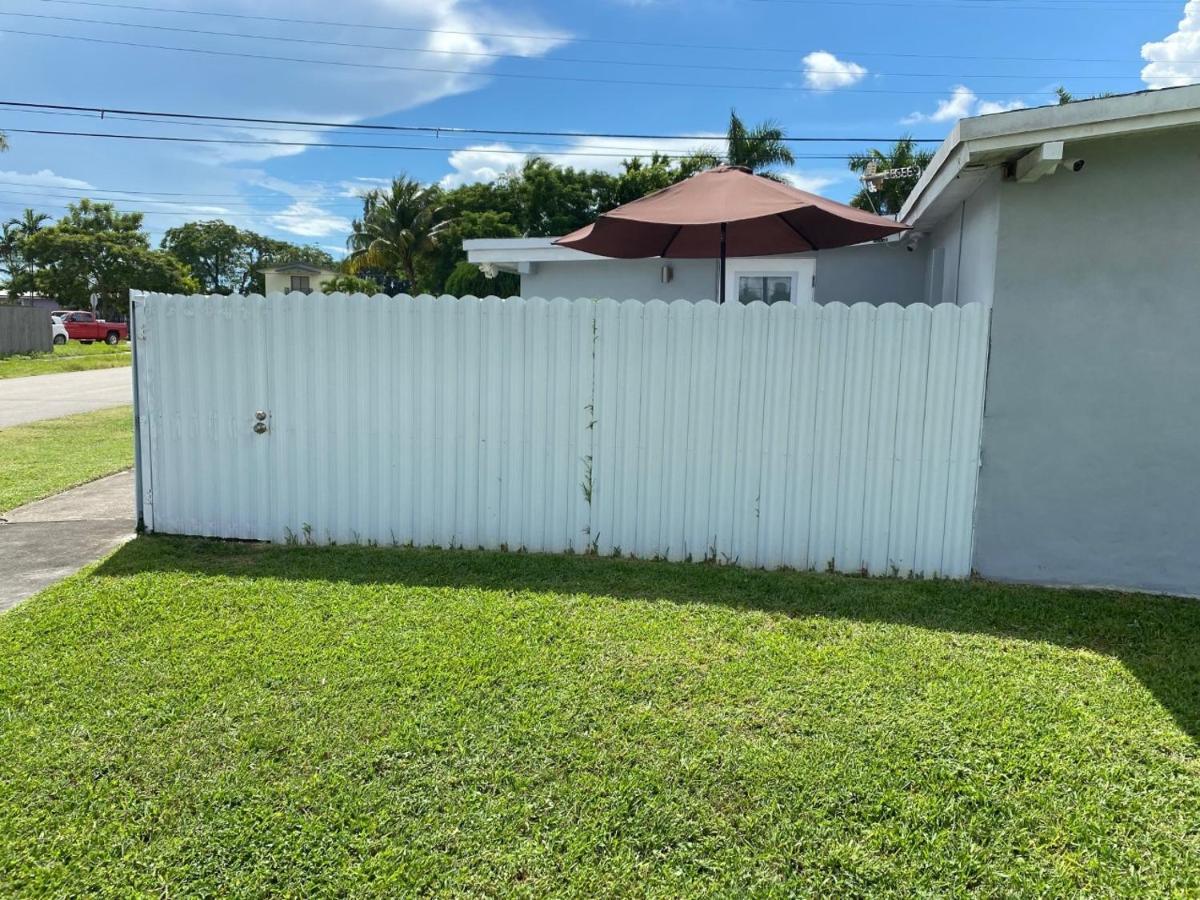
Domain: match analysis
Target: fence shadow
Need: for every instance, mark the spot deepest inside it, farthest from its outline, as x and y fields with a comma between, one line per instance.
x=1156, y=638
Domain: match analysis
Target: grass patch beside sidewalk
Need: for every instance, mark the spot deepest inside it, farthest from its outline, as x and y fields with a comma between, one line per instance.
x=70, y=357
x=43, y=458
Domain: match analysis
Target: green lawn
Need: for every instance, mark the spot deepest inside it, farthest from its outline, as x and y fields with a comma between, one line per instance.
x=210, y=718
x=70, y=357
x=43, y=458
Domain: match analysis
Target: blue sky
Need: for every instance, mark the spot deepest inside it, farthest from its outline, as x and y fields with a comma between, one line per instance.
x=852, y=68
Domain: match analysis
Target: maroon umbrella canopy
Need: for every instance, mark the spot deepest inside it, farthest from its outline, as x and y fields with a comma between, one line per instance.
x=727, y=211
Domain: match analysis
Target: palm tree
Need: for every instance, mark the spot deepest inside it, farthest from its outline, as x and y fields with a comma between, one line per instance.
x=399, y=224
x=13, y=235
x=30, y=222
x=889, y=196
x=10, y=250
x=3, y=142
x=758, y=148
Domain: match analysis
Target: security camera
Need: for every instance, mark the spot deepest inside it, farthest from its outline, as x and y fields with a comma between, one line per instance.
x=1075, y=165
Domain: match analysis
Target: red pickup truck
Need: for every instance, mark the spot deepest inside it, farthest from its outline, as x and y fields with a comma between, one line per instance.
x=85, y=327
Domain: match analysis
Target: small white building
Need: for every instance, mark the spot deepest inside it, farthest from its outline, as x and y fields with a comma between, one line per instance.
x=296, y=276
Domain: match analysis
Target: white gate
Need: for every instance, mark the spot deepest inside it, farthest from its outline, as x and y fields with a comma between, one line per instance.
x=789, y=435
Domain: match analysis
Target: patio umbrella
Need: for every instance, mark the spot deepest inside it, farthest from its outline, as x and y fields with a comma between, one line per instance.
x=727, y=211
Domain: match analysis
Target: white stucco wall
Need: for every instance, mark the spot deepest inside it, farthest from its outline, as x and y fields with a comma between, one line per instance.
x=874, y=273
x=962, y=249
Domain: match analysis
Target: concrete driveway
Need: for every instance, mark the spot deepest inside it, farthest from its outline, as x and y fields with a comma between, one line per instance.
x=66, y=393
x=45, y=541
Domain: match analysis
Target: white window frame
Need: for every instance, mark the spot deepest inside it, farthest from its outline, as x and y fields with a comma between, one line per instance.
x=801, y=269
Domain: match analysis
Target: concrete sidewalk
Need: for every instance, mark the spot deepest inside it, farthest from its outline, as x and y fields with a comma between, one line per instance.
x=46, y=541
x=38, y=397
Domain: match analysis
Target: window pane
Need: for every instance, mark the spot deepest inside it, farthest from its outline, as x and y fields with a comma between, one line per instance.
x=750, y=288
x=779, y=289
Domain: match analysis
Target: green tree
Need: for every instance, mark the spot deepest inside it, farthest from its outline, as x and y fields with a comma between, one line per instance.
x=399, y=227
x=13, y=259
x=758, y=148
x=3, y=142
x=889, y=197
x=227, y=260
x=97, y=250
x=468, y=281
x=350, y=284
x=438, y=265
x=217, y=253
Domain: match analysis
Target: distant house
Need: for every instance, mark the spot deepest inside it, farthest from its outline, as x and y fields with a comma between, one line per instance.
x=1075, y=225
x=296, y=277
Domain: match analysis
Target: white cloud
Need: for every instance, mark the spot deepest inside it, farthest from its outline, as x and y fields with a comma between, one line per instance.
x=825, y=72
x=308, y=219
x=487, y=162
x=962, y=103
x=1172, y=61
x=45, y=178
x=813, y=182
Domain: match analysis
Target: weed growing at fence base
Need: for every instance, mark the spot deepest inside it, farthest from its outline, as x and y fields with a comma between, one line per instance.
x=199, y=717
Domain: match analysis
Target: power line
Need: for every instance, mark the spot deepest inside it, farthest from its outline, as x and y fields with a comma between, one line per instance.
x=183, y=139
x=81, y=191
x=558, y=38
x=435, y=130
x=575, y=79
x=782, y=70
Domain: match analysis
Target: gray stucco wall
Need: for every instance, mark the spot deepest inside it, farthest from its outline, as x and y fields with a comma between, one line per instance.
x=24, y=329
x=875, y=273
x=872, y=273
x=1091, y=437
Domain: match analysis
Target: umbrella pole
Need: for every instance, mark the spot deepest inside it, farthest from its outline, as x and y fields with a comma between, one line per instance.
x=722, y=286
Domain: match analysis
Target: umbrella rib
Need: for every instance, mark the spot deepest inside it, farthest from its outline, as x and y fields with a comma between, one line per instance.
x=804, y=237
x=678, y=228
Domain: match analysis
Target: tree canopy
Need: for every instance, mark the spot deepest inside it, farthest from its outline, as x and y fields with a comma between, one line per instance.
x=226, y=259
x=97, y=250
x=889, y=196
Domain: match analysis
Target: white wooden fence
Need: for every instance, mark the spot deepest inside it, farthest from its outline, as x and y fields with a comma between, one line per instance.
x=790, y=435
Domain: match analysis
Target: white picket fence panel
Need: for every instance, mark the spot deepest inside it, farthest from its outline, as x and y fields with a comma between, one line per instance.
x=787, y=435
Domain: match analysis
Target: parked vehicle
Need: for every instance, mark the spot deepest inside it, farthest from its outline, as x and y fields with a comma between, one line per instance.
x=86, y=328
x=58, y=331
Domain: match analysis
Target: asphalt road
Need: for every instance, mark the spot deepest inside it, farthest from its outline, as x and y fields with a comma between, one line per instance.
x=64, y=394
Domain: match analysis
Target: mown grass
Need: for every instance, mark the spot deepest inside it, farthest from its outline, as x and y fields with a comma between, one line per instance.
x=43, y=458
x=205, y=718
x=69, y=357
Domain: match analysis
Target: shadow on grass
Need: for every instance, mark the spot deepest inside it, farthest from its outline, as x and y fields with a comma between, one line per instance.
x=1157, y=638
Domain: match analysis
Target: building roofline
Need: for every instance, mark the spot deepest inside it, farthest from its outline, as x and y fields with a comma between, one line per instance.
x=983, y=141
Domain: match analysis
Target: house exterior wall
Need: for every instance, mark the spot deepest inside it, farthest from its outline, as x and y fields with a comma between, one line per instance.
x=622, y=279
x=874, y=273
x=281, y=282
x=962, y=249
x=1091, y=435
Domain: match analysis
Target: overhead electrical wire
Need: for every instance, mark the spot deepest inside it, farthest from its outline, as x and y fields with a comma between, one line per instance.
x=706, y=65
x=185, y=139
x=436, y=130
x=531, y=76
x=561, y=37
